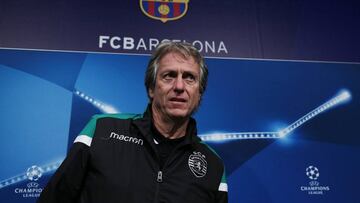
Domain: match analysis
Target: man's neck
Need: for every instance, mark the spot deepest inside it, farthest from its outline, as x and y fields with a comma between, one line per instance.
x=171, y=128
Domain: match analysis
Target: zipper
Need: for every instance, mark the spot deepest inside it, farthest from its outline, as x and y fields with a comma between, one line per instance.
x=159, y=180
x=159, y=177
x=161, y=169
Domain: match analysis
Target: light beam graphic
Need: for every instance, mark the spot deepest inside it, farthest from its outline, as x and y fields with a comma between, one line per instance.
x=105, y=108
x=341, y=98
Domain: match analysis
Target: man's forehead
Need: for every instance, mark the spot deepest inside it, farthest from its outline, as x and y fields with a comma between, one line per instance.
x=176, y=55
x=187, y=62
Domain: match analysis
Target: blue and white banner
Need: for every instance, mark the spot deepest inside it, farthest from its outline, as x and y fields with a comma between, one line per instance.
x=286, y=130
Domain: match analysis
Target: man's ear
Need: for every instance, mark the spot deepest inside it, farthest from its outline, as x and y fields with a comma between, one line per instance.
x=151, y=93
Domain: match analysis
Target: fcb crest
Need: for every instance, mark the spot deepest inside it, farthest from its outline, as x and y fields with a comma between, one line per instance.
x=164, y=10
x=197, y=164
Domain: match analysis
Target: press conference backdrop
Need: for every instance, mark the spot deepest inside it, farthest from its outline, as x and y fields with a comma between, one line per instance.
x=281, y=109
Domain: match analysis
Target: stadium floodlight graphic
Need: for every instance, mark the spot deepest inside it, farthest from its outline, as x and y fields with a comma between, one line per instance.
x=341, y=98
x=105, y=108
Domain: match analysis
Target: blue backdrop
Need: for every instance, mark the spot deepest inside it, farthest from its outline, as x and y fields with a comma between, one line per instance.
x=44, y=107
x=281, y=108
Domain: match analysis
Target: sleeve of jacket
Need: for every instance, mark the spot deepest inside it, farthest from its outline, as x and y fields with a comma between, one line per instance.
x=222, y=193
x=66, y=184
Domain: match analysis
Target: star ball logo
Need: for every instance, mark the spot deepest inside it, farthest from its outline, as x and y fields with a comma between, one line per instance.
x=312, y=172
x=34, y=173
x=314, y=187
x=164, y=10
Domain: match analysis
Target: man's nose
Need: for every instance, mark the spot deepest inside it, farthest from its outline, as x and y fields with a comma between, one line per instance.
x=179, y=84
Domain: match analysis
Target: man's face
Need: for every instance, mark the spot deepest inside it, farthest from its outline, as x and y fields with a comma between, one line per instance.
x=177, y=89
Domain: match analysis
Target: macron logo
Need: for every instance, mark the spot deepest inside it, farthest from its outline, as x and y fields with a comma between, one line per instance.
x=126, y=138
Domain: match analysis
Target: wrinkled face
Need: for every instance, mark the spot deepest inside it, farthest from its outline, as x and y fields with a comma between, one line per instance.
x=177, y=89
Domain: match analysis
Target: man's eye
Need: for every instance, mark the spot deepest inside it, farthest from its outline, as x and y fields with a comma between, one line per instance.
x=168, y=76
x=190, y=78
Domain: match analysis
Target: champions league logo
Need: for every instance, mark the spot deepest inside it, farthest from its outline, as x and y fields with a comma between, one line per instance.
x=33, y=173
x=314, y=187
x=197, y=164
x=164, y=10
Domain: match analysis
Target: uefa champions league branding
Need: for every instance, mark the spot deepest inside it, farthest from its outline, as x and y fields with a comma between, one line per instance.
x=33, y=174
x=314, y=187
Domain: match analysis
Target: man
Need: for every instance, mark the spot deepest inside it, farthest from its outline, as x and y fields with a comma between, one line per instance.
x=154, y=157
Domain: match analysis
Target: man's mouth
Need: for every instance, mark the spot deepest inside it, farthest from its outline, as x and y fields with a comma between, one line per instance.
x=177, y=100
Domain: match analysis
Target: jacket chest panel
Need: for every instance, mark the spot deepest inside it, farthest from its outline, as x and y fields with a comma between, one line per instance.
x=122, y=161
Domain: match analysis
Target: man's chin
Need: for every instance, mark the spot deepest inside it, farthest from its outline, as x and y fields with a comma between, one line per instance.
x=179, y=113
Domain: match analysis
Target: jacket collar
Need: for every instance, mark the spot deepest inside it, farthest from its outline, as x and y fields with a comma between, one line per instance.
x=144, y=125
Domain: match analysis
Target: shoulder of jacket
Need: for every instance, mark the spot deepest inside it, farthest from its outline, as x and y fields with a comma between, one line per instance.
x=121, y=116
x=223, y=184
x=210, y=150
x=88, y=132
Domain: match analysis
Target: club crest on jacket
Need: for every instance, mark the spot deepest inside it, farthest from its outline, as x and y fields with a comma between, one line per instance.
x=197, y=164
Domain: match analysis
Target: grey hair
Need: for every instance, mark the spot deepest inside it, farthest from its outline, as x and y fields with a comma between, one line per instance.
x=184, y=49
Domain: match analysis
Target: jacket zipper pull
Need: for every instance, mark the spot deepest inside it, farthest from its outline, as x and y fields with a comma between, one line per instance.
x=159, y=177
